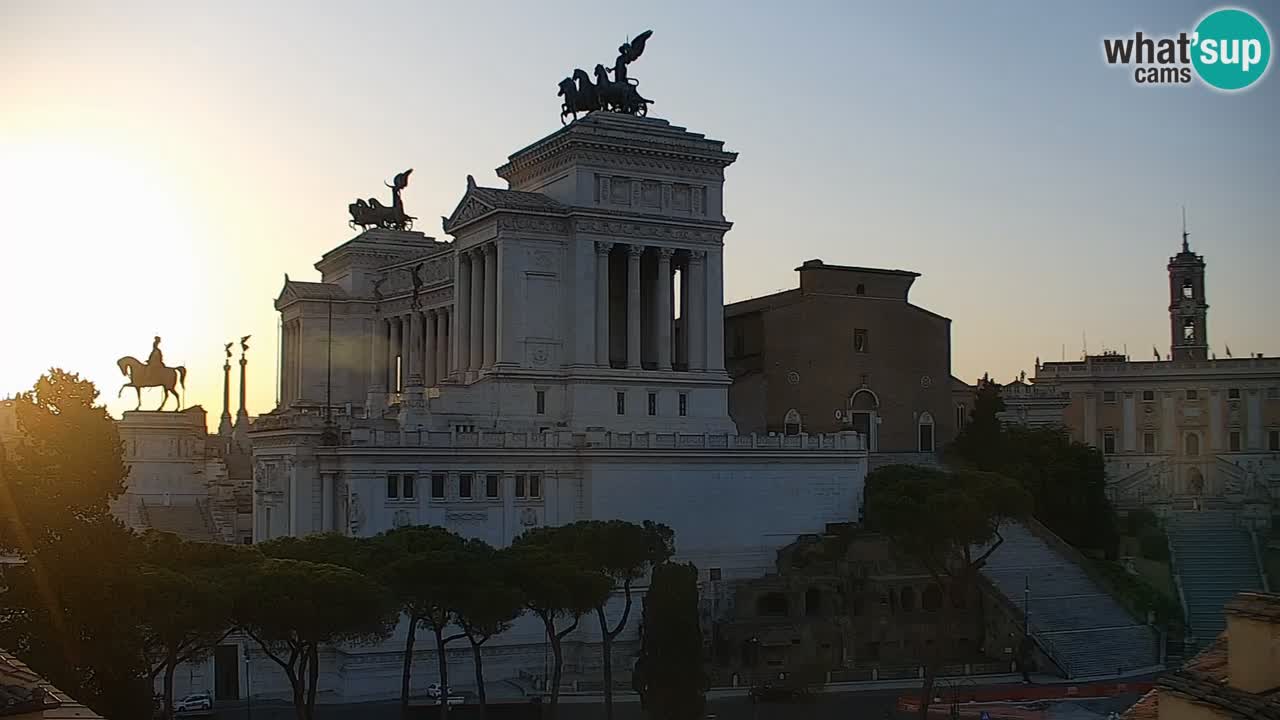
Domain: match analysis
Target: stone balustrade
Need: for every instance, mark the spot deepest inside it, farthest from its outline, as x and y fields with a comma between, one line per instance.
x=598, y=440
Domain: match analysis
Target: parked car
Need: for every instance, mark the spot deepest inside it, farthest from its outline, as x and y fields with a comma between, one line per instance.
x=194, y=702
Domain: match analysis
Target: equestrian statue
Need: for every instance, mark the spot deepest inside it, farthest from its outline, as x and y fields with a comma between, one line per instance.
x=619, y=94
x=371, y=213
x=153, y=373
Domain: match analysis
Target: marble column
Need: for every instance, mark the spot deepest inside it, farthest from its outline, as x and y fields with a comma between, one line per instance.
x=697, y=310
x=602, y=303
x=633, y=305
x=490, y=304
x=713, y=310
x=326, y=502
x=413, y=351
x=462, y=306
x=378, y=362
x=663, y=320
x=450, y=339
x=476, y=321
x=442, y=344
x=431, y=343
x=682, y=342
x=395, y=359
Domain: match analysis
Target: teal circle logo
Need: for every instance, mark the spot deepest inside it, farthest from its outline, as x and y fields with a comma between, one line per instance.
x=1231, y=49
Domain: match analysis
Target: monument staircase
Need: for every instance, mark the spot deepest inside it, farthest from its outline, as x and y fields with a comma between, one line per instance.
x=1074, y=619
x=188, y=521
x=1213, y=558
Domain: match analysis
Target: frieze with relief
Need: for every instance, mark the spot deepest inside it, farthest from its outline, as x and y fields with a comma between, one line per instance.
x=621, y=228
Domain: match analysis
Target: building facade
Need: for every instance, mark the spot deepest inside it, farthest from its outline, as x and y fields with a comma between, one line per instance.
x=846, y=350
x=560, y=359
x=1180, y=432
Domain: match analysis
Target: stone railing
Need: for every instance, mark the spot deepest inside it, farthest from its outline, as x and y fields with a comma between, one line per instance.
x=599, y=440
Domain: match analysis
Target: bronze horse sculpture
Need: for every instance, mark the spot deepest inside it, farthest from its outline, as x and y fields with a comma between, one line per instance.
x=142, y=375
x=620, y=94
x=371, y=213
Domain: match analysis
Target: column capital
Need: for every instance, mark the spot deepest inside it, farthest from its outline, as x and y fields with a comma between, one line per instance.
x=697, y=255
x=603, y=247
x=665, y=253
x=634, y=250
x=489, y=248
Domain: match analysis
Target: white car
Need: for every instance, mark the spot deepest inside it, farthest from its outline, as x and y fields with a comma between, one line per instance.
x=190, y=703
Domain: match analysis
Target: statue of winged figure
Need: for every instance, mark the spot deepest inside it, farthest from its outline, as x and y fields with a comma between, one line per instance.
x=371, y=213
x=619, y=94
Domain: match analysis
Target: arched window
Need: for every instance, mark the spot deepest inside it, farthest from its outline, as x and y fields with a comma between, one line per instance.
x=791, y=424
x=1189, y=330
x=772, y=605
x=813, y=602
x=1188, y=289
x=931, y=599
x=907, y=599
x=1193, y=444
x=860, y=290
x=926, y=432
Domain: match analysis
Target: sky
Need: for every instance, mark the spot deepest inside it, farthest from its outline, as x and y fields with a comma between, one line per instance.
x=163, y=165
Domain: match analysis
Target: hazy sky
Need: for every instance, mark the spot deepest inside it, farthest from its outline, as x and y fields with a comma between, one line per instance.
x=162, y=167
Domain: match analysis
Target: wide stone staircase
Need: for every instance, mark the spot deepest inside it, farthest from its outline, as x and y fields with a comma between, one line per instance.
x=1082, y=627
x=1214, y=558
x=190, y=521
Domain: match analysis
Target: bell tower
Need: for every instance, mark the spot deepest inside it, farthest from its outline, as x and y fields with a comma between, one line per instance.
x=1188, y=311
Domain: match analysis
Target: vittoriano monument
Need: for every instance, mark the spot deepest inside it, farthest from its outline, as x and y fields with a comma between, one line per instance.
x=152, y=373
x=621, y=94
x=371, y=213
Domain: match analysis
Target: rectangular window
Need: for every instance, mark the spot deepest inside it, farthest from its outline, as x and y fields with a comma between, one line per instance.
x=521, y=480
x=1108, y=443
x=859, y=340
x=393, y=487
x=684, y=404
x=1273, y=440
x=1109, y=396
x=714, y=574
x=1233, y=440
x=535, y=485
x=407, y=483
x=926, y=437
x=437, y=486
x=540, y=400
x=962, y=414
x=653, y=403
x=491, y=486
x=621, y=398
x=464, y=485
x=1148, y=442
x=1233, y=393
x=1192, y=394
x=1148, y=396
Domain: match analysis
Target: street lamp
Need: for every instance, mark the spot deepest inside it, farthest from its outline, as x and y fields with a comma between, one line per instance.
x=248, y=689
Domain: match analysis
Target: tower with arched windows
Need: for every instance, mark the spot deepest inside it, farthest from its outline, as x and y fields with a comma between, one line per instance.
x=1188, y=310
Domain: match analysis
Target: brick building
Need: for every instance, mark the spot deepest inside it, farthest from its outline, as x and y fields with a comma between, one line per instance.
x=845, y=350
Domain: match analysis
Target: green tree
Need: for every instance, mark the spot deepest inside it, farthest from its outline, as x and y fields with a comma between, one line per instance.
x=66, y=466
x=624, y=552
x=424, y=567
x=487, y=603
x=185, y=597
x=292, y=607
x=949, y=523
x=557, y=586
x=670, y=676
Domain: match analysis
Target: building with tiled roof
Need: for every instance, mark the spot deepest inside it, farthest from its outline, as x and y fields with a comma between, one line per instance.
x=25, y=695
x=1237, y=677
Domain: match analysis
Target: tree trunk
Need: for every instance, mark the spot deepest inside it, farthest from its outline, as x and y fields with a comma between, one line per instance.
x=476, y=658
x=406, y=671
x=313, y=682
x=443, y=661
x=557, y=670
x=170, y=664
x=299, y=694
x=606, y=647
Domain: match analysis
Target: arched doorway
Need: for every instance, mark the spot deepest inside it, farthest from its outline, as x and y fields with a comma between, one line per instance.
x=791, y=424
x=864, y=408
x=1195, y=480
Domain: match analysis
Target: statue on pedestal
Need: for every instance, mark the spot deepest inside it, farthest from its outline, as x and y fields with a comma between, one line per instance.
x=621, y=94
x=152, y=373
x=371, y=213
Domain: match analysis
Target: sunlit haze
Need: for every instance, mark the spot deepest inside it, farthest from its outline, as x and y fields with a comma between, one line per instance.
x=163, y=166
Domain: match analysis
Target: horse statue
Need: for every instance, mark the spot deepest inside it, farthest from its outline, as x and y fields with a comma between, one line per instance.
x=371, y=213
x=620, y=94
x=579, y=95
x=142, y=375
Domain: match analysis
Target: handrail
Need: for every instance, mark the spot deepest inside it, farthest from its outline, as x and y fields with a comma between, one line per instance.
x=1257, y=560
x=1046, y=645
x=1177, y=582
x=1085, y=564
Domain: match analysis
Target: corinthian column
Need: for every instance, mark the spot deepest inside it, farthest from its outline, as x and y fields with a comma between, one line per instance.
x=633, y=305
x=490, y=303
x=413, y=352
x=663, y=319
x=378, y=361
x=697, y=310
x=462, y=301
x=394, y=358
x=430, y=339
x=602, y=303
x=477, y=310
x=442, y=345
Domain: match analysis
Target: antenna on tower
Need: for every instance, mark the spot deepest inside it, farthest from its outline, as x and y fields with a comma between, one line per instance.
x=1186, y=247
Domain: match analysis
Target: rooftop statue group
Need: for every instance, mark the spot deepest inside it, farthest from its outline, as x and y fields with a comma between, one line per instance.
x=620, y=94
x=371, y=213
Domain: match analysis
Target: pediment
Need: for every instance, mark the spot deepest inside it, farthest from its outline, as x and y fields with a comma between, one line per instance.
x=468, y=209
